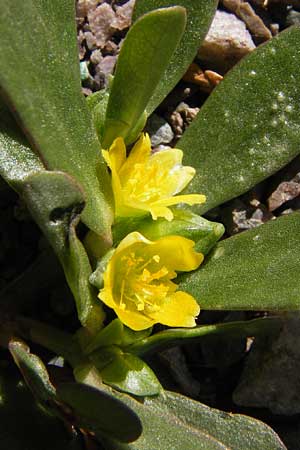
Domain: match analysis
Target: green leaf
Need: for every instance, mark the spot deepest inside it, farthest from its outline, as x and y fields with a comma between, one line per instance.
x=129, y=373
x=24, y=425
x=257, y=269
x=185, y=223
x=100, y=412
x=17, y=160
x=174, y=422
x=143, y=58
x=33, y=371
x=110, y=335
x=55, y=201
x=116, y=333
x=40, y=79
x=54, y=339
x=249, y=126
x=199, y=16
x=97, y=103
x=179, y=336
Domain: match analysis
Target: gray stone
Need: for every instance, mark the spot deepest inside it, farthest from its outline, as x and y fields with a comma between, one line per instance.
x=159, y=130
x=271, y=377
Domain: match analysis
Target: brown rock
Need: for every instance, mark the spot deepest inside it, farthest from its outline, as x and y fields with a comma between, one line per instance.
x=84, y=6
x=287, y=190
x=106, y=66
x=253, y=22
x=206, y=80
x=266, y=3
x=100, y=21
x=81, y=47
x=123, y=16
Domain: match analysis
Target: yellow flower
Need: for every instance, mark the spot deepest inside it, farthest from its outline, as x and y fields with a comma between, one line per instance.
x=144, y=182
x=138, y=286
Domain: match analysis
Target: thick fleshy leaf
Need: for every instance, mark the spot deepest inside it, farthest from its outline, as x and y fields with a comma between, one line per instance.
x=40, y=79
x=17, y=160
x=100, y=412
x=178, y=336
x=57, y=341
x=144, y=56
x=174, y=422
x=97, y=103
x=129, y=373
x=55, y=201
x=33, y=371
x=257, y=269
x=185, y=223
x=199, y=16
x=249, y=126
x=24, y=425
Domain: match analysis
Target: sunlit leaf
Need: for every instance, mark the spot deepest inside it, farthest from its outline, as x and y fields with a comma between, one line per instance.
x=199, y=16
x=249, y=127
x=17, y=159
x=257, y=269
x=174, y=422
x=143, y=58
x=40, y=79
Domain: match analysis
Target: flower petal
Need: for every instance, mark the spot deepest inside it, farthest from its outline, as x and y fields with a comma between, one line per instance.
x=179, y=310
x=135, y=320
x=177, y=253
x=138, y=155
x=116, y=155
x=174, y=177
x=161, y=211
x=106, y=296
x=132, y=238
x=190, y=199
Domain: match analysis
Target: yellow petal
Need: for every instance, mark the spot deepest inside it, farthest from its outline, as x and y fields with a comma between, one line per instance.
x=161, y=211
x=174, y=176
x=138, y=155
x=177, y=253
x=106, y=296
x=190, y=199
x=134, y=320
x=179, y=310
x=116, y=155
x=131, y=239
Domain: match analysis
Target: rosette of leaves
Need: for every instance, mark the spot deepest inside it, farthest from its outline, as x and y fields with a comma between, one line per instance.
x=50, y=154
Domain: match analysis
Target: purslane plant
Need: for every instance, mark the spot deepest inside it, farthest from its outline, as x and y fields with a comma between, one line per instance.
x=143, y=216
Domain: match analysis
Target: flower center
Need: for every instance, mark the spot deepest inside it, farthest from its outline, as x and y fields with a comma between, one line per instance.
x=145, y=183
x=145, y=283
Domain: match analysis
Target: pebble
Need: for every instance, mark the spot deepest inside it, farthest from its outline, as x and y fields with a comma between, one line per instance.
x=286, y=191
x=226, y=43
x=159, y=130
x=100, y=20
x=247, y=14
